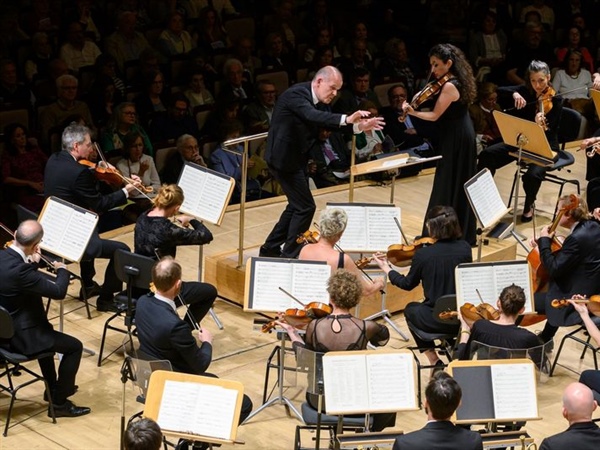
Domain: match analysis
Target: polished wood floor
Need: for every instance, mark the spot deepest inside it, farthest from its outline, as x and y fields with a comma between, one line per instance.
x=240, y=351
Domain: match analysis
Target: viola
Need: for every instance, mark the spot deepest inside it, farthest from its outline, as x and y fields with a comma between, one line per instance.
x=400, y=253
x=300, y=317
x=544, y=105
x=363, y=262
x=592, y=303
x=540, y=275
x=430, y=90
x=308, y=237
x=472, y=313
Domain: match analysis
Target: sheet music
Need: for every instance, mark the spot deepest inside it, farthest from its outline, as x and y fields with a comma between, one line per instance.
x=206, y=193
x=517, y=273
x=515, y=395
x=391, y=381
x=470, y=279
x=316, y=289
x=268, y=277
x=67, y=229
x=370, y=227
x=485, y=199
x=195, y=408
x=345, y=382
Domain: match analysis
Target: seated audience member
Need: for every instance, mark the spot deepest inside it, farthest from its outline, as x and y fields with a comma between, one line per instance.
x=66, y=105
x=156, y=236
x=224, y=8
x=277, y=56
x=519, y=56
x=573, y=82
x=212, y=37
x=21, y=290
x=357, y=59
x=22, y=165
x=36, y=64
x=332, y=224
x=103, y=97
x=481, y=114
x=574, y=44
x=502, y=332
x=319, y=17
x=224, y=161
x=152, y=101
x=177, y=121
x=340, y=331
x=125, y=44
x=136, y=162
x=487, y=50
x=323, y=57
x=175, y=39
x=545, y=12
x=163, y=335
x=369, y=143
x=404, y=134
x=329, y=154
x=227, y=110
x=591, y=378
x=285, y=23
x=434, y=266
x=323, y=39
x=44, y=88
x=77, y=51
x=107, y=65
x=187, y=151
x=123, y=122
x=257, y=115
x=396, y=65
x=243, y=51
x=11, y=90
x=583, y=433
x=442, y=398
x=359, y=90
x=143, y=434
x=234, y=84
x=360, y=32
x=197, y=93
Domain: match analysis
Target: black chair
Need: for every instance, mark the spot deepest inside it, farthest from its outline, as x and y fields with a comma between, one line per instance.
x=136, y=271
x=14, y=364
x=568, y=130
x=573, y=335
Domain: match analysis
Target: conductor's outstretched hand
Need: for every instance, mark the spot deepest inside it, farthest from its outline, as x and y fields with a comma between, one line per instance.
x=372, y=123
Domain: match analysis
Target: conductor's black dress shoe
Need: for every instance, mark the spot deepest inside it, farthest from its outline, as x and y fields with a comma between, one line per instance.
x=69, y=409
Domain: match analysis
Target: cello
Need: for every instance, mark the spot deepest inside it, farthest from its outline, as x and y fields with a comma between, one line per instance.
x=540, y=275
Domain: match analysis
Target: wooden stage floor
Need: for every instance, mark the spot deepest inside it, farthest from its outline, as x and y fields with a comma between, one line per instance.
x=240, y=352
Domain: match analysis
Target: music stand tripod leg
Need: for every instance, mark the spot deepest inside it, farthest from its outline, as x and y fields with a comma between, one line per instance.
x=212, y=312
x=385, y=314
x=522, y=140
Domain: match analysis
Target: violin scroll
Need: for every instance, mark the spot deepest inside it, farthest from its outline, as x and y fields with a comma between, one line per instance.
x=308, y=237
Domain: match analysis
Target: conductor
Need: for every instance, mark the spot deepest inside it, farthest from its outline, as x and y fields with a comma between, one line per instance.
x=298, y=114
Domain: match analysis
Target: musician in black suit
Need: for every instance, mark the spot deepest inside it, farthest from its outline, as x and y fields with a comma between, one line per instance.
x=442, y=397
x=68, y=180
x=163, y=335
x=298, y=114
x=573, y=269
x=582, y=434
x=21, y=290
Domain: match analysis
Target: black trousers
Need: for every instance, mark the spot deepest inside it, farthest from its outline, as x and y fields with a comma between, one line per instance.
x=297, y=215
x=591, y=378
x=102, y=248
x=421, y=316
x=63, y=384
x=496, y=156
x=199, y=297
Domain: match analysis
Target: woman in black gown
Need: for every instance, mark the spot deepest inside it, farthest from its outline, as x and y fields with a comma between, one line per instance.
x=456, y=136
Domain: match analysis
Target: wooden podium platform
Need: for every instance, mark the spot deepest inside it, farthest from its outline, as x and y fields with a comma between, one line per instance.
x=221, y=271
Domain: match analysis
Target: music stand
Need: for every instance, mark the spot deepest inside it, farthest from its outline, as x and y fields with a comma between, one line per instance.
x=532, y=147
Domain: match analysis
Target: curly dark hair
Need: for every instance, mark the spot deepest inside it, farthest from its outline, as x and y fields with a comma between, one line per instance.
x=460, y=68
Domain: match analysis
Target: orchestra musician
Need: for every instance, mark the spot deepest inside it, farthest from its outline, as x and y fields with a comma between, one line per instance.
x=332, y=224
x=573, y=269
x=454, y=131
x=590, y=377
x=434, y=267
x=156, y=236
x=527, y=105
x=74, y=182
x=340, y=331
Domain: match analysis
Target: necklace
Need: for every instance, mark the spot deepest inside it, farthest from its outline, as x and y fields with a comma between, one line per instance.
x=574, y=77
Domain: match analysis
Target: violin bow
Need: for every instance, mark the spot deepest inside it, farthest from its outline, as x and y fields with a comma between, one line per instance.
x=401, y=231
x=291, y=296
x=542, y=98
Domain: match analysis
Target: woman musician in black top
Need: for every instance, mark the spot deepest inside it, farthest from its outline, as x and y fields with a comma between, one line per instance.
x=156, y=236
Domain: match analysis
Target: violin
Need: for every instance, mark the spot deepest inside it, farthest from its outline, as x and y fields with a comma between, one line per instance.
x=448, y=315
x=430, y=90
x=540, y=275
x=308, y=237
x=400, y=253
x=472, y=313
x=363, y=262
x=544, y=105
x=300, y=317
x=592, y=303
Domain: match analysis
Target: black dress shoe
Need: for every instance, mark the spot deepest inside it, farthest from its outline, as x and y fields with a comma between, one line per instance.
x=269, y=252
x=91, y=291
x=75, y=389
x=525, y=219
x=69, y=409
x=107, y=306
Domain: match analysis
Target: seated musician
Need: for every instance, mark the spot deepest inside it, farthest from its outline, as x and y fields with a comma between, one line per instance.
x=156, y=236
x=574, y=268
x=163, y=335
x=340, y=331
x=434, y=267
x=442, y=398
x=502, y=332
x=591, y=378
x=525, y=97
x=332, y=224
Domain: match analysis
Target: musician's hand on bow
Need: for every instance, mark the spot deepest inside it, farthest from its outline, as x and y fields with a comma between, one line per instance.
x=596, y=213
x=545, y=232
x=533, y=243
x=59, y=265
x=519, y=100
x=184, y=220
x=406, y=109
x=381, y=260
x=581, y=308
x=205, y=336
x=136, y=186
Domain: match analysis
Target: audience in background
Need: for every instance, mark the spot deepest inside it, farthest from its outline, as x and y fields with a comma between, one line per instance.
x=122, y=122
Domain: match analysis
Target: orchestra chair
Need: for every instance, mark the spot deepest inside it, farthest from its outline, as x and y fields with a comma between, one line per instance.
x=13, y=365
x=585, y=342
x=380, y=91
x=136, y=271
x=445, y=342
x=569, y=129
x=311, y=363
x=25, y=214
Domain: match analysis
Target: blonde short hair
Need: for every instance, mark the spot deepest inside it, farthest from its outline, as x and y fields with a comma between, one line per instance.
x=168, y=195
x=332, y=222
